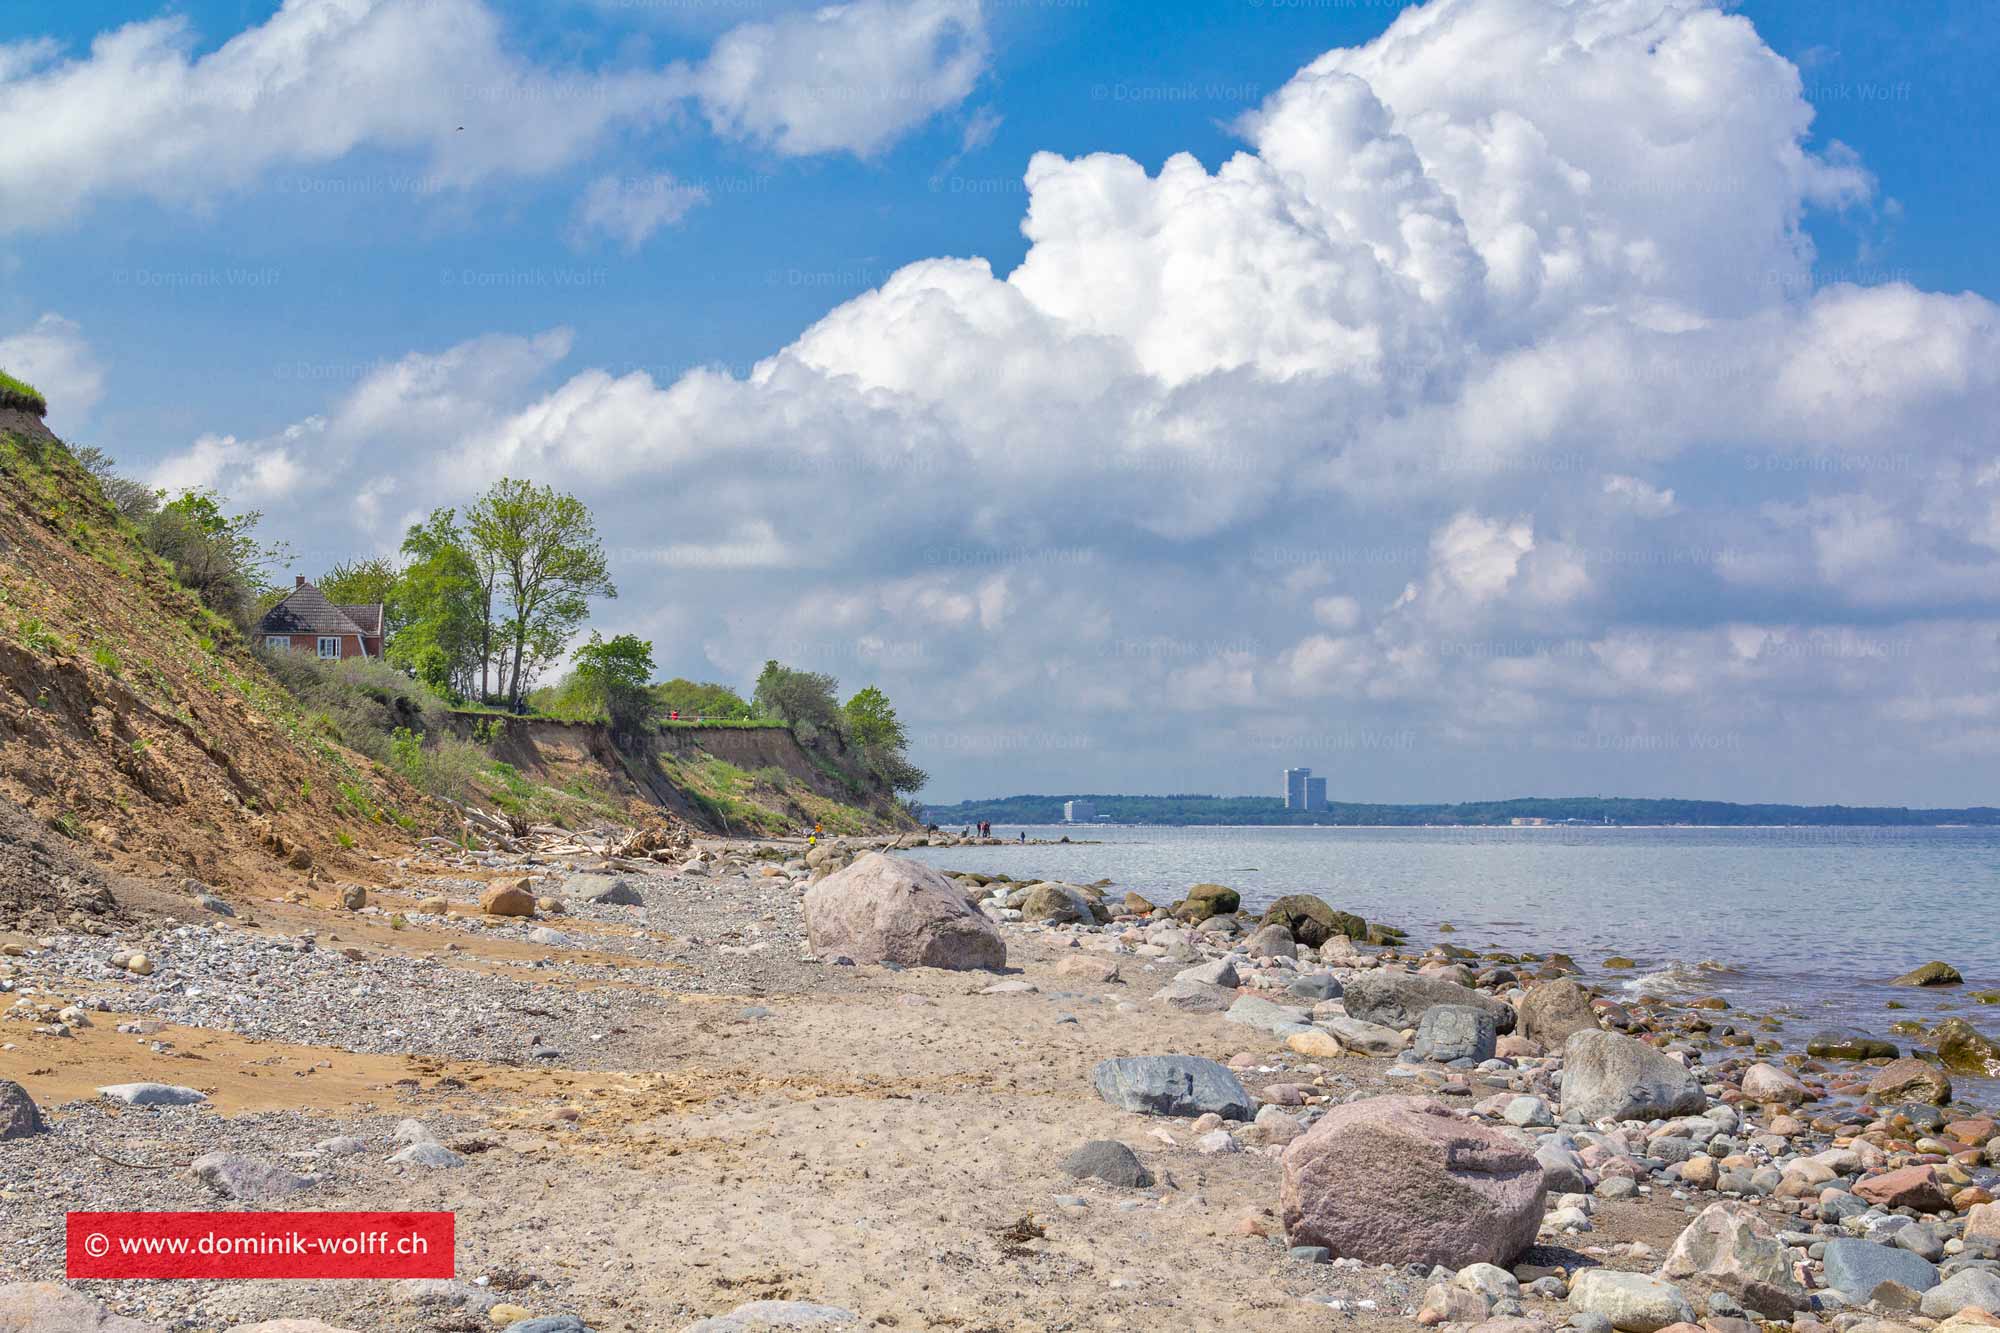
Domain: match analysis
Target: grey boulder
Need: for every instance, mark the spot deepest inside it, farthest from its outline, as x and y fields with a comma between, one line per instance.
x=883, y=909
x=252, y=1179
x=51, y=1307
x=1854, y=1268
x=1450, y=1032
x=1729, y=1249
x=615, y=890
x=1399, y=999
x=1277, y=1019
x=775, y=1314
x=152, y=1094
x=1970, y=1287
x=1607, y=1076
x=1359, y=1035
x=1633, y=1302
x=19, y=1117
x=1195, y=997
x=1110, y=1161
x=1184, y=1085
x=427, y=1154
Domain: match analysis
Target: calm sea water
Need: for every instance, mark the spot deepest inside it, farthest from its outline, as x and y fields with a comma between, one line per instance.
x=1808, y=923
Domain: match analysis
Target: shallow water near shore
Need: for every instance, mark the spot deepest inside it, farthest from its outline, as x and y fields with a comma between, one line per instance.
x=1809, y=924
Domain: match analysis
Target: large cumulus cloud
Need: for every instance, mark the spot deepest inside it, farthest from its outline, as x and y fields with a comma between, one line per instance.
x=1484, y=402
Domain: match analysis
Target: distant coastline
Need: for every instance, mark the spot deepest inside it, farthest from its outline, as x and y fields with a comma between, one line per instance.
x=1532, y=811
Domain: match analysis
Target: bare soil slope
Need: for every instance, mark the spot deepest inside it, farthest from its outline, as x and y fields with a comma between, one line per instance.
x=136, y=726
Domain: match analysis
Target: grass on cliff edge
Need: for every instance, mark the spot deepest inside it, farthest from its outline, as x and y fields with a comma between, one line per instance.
x=19, y=393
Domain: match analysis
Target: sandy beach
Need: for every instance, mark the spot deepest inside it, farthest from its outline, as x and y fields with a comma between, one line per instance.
x=680, y=1108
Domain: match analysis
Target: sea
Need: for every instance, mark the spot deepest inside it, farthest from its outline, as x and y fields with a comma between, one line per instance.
x=1809, y=925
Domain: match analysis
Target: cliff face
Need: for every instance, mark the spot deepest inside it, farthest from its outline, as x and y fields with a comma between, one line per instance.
x=735, y=780
x=137, y=730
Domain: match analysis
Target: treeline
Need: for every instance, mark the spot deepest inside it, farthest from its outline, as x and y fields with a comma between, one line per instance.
x=1270, y=810
x=478, y=608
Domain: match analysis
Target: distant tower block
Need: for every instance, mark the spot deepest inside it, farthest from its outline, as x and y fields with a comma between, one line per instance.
x=1078, y=812
x=1315, y=793
x=1295, y=787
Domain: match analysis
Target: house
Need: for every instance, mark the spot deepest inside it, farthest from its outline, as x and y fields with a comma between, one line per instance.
x=306, y=622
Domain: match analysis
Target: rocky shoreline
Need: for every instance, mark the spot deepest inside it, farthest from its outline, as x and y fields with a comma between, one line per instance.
x=852, y=1091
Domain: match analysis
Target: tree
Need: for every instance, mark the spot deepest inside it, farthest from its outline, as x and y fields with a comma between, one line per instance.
x=213, y=553
x=793, y=696
x=360, y=582
x=439, y=607
x=615, y=672
x=546, y=561
x=873, y=726
x=134, y=499
x=872, y=721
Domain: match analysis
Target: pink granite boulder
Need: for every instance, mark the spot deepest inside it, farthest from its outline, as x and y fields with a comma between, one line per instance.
x=1402, y=1180
x=883, y=909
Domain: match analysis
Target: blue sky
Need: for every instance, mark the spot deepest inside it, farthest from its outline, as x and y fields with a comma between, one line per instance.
x=404, y=310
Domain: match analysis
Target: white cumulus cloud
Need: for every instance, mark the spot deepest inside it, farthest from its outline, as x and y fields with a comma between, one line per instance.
x=1342, y=436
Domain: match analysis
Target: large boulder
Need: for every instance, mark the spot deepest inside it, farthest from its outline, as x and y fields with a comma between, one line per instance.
x=1450, y=1032
x=1172, y=1085
x=1359, y=1035
x=1195, y=997
x=1910, y=1080
x=18, y=1115
x=1062, y=904
x=1110, y=1161
x=1769, y=1085
x=1854, y=1268
x=1908, y=1187
x=1279, y=1020
x=1728, y=1248
x=1633, y=1302
x=1402, y=1180
x=1608, y=1076
x=1312, y=921
x=241, y=1176
x=509, y=898
x=1399, y=999
x=612, y=890
x=1931, y=974
x=883, y=909
x=765, y=1315
x=51, y=1307
x=1272, y=941
x=1967, y=1050
x=1970, y=1288
x=1555, y=1011
x=1206, y=900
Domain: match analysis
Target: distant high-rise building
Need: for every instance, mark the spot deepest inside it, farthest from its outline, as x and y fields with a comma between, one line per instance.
x=1078, y=812
x=1315, y=793
x=1295, y=787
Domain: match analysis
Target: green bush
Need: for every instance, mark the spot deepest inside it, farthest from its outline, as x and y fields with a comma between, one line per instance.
x=364, y=702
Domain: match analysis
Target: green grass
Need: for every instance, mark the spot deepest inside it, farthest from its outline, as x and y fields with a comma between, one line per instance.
x=39, y=637
x=18, y=393
x=103, y=655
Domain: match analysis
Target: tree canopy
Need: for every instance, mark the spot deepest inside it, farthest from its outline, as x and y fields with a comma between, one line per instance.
x=543, y=547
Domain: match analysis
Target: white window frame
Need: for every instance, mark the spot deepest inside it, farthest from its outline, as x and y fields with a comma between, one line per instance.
x=281, y=642
x=326, y=639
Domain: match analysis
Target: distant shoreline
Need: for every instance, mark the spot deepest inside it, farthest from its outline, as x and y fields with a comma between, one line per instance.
x=1572, y=812
x=1470, y=828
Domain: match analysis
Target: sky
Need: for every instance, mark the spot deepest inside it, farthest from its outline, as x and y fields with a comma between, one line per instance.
x=1465, y=400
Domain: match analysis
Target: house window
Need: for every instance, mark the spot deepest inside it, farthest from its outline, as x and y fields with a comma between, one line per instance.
x=329, y=645
x=278, y=642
